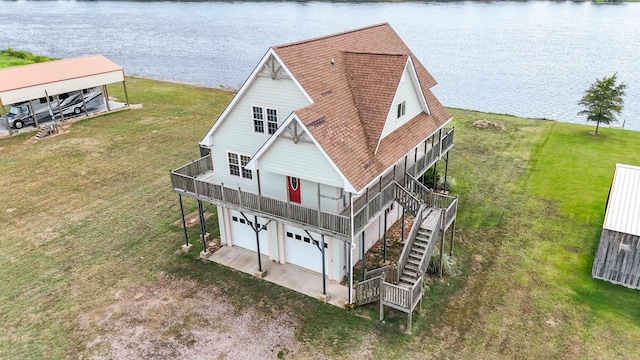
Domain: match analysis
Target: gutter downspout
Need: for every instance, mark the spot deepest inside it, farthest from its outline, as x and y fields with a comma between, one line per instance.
x=350, y=258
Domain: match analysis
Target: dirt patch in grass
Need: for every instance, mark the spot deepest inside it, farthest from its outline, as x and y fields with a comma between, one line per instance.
x=191, y=219
x=179, y=319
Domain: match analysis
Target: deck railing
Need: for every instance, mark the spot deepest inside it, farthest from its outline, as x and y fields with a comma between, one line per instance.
x=409, y=202
x=424, y=162
x=447, y=140
x=185, y=180
x=450, y=213
x=196, y=167
x=434, y=199
x=401, y=298
x=368, y=291
x=418, y=189
x=371, y=207
x=390, y=273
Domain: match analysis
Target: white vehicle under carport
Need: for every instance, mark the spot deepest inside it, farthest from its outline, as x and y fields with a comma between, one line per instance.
x=70, y=104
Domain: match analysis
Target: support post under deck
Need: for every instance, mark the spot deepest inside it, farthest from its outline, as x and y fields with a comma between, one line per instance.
x=257, y=230
x=402, y=227
x=453, y=232
x=446, y=171
x=202, y=228
x=184, y=223
x=384, y=237
x=362, y=255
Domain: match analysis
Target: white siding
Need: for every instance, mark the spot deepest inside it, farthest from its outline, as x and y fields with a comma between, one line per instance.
x=302, y=160
x=221, y=224
x=274, y=243
x=235, y=133
x=273, y=185
x=406, y=92
x=276, y=186
x=338, y=259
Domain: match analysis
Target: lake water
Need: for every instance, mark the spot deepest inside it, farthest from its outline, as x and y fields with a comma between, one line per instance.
x=524, y=58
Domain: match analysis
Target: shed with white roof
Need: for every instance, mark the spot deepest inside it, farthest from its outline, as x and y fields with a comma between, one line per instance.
x=618, y=257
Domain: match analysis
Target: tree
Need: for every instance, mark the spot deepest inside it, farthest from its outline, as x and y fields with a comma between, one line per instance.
x=603, y=100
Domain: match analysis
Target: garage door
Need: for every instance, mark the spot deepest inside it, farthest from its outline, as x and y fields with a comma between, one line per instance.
x=302, y=251
x=243, y=235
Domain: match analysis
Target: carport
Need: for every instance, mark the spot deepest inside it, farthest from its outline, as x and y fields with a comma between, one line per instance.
x=42, y=80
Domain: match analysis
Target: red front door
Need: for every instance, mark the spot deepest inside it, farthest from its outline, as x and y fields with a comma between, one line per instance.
x=294, y=189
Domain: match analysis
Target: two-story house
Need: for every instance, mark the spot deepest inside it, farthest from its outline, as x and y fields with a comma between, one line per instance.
x=321, y=151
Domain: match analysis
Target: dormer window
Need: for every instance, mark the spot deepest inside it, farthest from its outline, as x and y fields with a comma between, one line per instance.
x=401, y=109
x=258, y=120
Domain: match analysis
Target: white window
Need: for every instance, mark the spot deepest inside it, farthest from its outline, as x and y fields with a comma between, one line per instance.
x=258, y=120
x=237, y=165
x=272, y=121
x=401, y=109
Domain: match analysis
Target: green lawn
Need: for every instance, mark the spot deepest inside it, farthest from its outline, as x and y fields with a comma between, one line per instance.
x=88, y=216
x=10, y=57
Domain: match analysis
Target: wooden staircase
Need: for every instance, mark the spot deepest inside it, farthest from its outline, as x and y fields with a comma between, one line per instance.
x=421, y=248
x=417, y=253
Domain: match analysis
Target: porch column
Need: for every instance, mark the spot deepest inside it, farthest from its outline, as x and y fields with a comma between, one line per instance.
x=6, y=120
x=84, y=102
x=105, y=93
x=60, y=107
x=443, y=231
x=402, y=227
x=257, y=230
x=126, y=94
x=446, y=170
x=33, y=114
x=320, y=217
x=324, y=276
x=50, y=107
x=184, y=224
x=435, y=172
x=259, y=190
x=453, y=232
x=384, y=237
x=350, y=270
x=362, y=255
x=202, y=229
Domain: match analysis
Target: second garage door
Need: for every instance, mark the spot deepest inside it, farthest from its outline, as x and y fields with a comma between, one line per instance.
x=302, y=251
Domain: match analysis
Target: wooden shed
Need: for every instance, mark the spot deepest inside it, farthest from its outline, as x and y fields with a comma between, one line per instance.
x=618, y=257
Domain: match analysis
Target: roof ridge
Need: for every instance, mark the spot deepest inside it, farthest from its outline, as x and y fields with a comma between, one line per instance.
x=372, y=53
x=330, y=36
x=50, y=61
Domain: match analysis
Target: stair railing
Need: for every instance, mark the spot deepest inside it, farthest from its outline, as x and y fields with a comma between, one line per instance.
x=421, y=191
x=434, y=238
x=406, y=199
x=406, y=250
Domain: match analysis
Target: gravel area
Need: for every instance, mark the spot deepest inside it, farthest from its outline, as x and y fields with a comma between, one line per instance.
x=177, y=319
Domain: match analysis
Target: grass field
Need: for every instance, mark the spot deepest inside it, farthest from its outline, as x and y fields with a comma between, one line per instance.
x=10, y=57
x=90, y=265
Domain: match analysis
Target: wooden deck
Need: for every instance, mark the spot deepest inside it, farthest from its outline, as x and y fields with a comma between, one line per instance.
x=197, y=180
